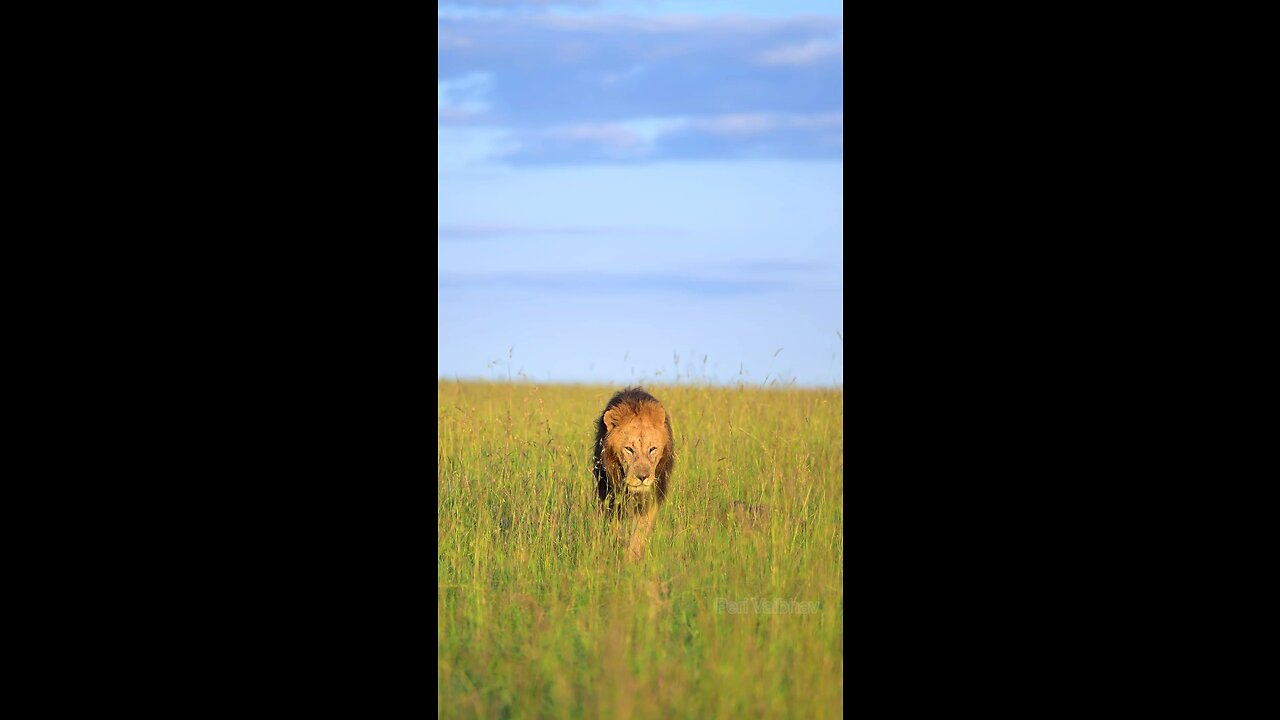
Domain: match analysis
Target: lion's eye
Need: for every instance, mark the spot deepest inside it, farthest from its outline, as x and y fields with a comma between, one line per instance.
x=652, y=449
x=629, y=451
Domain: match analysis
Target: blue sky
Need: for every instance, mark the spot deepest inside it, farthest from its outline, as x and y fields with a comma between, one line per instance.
x=641, y=191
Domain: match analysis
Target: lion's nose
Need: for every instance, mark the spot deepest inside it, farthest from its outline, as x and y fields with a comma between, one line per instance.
x=642, y=474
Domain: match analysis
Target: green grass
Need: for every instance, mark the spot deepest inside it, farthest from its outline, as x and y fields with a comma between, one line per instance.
x=541, y=615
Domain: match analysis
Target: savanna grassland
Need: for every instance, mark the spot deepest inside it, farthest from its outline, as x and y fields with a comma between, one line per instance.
x=735, y=610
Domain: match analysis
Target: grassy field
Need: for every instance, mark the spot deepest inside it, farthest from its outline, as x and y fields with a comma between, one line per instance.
x=731, y=613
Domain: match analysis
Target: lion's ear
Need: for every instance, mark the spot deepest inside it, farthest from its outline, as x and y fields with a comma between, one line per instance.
x=611, y=418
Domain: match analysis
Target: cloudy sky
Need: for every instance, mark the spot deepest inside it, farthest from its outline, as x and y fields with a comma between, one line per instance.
x=640, y=191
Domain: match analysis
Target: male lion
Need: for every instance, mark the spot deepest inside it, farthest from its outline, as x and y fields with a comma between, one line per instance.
x=634, y=456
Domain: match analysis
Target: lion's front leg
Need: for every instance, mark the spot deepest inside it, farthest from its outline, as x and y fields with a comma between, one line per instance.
x=644, y=528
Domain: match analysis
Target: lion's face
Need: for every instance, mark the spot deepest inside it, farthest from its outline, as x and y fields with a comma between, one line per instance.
x=638, y=441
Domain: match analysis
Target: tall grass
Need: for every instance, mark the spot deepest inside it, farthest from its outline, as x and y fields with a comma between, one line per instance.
x=539, y=612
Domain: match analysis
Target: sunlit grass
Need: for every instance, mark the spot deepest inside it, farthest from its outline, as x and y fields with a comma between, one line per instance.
x=541, y=615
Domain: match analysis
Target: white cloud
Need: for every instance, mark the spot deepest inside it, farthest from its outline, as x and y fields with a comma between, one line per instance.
x=614, y=78
x=732, y=23
x=802, y=54
x=654, y=138
x=737, y=125
x=620, y=140
x=742, y=125
x=554, y=70
x=820, y=120
x=463, y=97
x=612, y=134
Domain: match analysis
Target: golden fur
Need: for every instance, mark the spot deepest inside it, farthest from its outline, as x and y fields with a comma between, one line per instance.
x=633, y=460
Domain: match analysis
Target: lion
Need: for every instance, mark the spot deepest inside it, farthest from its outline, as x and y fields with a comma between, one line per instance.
x=633, y=459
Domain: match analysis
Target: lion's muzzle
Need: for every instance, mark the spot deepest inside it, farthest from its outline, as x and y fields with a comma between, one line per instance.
x=639, y=484
x=640, y=479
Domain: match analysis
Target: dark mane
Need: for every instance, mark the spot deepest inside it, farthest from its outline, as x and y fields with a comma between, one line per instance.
x=633, y=398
